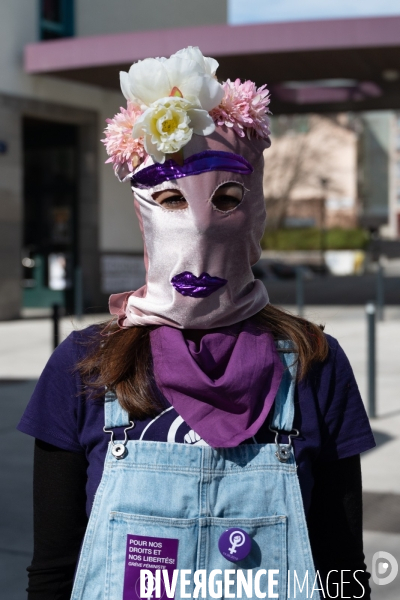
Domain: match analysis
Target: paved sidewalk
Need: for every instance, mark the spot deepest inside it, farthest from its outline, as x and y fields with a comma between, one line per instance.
x=25, y=347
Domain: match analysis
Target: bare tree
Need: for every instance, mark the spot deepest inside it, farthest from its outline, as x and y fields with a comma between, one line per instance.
x=301, y=156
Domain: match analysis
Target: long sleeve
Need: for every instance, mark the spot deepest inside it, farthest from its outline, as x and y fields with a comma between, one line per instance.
x=335, y=528
x=59, y=521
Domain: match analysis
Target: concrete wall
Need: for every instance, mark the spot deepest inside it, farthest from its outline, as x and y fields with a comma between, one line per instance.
x=94, y=17
x=10, y=212
x=376, y=145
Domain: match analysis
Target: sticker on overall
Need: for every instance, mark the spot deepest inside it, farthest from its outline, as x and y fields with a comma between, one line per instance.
x=150, y=553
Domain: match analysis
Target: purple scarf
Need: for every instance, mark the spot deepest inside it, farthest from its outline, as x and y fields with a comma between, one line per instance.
x=223, y=387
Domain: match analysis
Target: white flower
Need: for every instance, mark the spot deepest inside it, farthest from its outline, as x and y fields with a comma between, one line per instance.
x=168, y=125
x=175, y=95
x=188, y=71
x=208, y=64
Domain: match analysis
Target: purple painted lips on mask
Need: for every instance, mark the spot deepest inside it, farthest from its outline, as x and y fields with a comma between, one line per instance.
x=188, y=284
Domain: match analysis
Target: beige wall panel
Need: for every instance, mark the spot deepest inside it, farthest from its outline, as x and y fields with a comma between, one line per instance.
x=95, y=17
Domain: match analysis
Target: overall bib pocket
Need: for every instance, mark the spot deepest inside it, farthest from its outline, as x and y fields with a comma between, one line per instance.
x=138, y=542
x=268, y=550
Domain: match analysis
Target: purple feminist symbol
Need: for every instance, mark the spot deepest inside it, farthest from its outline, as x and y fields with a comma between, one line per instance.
x=188, y=284
x=236, y=540
x=234, y=544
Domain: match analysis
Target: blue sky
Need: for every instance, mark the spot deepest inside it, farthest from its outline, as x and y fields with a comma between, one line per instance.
x=261, y=11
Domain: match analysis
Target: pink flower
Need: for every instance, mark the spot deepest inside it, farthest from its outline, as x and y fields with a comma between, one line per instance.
x=244, y=108
x=120, y=145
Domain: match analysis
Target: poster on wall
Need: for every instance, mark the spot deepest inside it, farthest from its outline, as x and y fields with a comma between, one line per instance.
x=121, y=273
x=57, y=271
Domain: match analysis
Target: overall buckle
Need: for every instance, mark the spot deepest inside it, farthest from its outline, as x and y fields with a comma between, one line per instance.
x=118, y=448
x=283, y=451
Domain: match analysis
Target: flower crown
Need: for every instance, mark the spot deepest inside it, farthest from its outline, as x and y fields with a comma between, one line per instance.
x=171, y=99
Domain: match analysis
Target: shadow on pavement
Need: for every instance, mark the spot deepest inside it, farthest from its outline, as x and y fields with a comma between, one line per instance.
x=381, y=512
x=380, y=438
x=16, y=460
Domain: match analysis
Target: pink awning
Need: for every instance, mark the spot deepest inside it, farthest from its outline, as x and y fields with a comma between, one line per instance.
x=220, y=41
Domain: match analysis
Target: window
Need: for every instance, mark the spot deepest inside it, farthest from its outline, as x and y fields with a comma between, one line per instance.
x=56, y=19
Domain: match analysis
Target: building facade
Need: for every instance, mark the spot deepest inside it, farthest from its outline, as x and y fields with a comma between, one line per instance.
x=68, y=231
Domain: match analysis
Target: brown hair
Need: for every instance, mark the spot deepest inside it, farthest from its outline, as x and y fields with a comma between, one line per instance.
x=121, y=358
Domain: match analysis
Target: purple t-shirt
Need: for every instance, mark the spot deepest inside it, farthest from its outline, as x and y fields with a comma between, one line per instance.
x=329, y=414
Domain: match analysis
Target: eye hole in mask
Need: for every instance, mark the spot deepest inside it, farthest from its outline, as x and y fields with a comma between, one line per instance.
x=170, y=199
x=227, y=197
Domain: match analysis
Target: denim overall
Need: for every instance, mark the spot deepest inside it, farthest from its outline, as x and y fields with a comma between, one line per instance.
x=193, y=493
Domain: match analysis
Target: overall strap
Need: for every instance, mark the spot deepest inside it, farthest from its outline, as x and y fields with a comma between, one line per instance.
x=284, y=401
x=114, y=414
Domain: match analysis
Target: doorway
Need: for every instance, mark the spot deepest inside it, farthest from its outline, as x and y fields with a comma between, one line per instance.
x=50, y=232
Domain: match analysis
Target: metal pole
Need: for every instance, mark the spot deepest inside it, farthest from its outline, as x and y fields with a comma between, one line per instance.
x=324, y=184
x=380, y=292
x=300, y=291
x=371, y=359
x=56, y=325
x=78, y=289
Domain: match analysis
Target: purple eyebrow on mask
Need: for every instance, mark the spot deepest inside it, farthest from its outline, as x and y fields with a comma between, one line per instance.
x=202, y=162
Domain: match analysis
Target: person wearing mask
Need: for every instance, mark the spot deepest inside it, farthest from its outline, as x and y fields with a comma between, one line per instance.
x=202, y=429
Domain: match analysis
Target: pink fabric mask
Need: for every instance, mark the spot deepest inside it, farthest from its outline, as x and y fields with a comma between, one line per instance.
x=200, y=239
